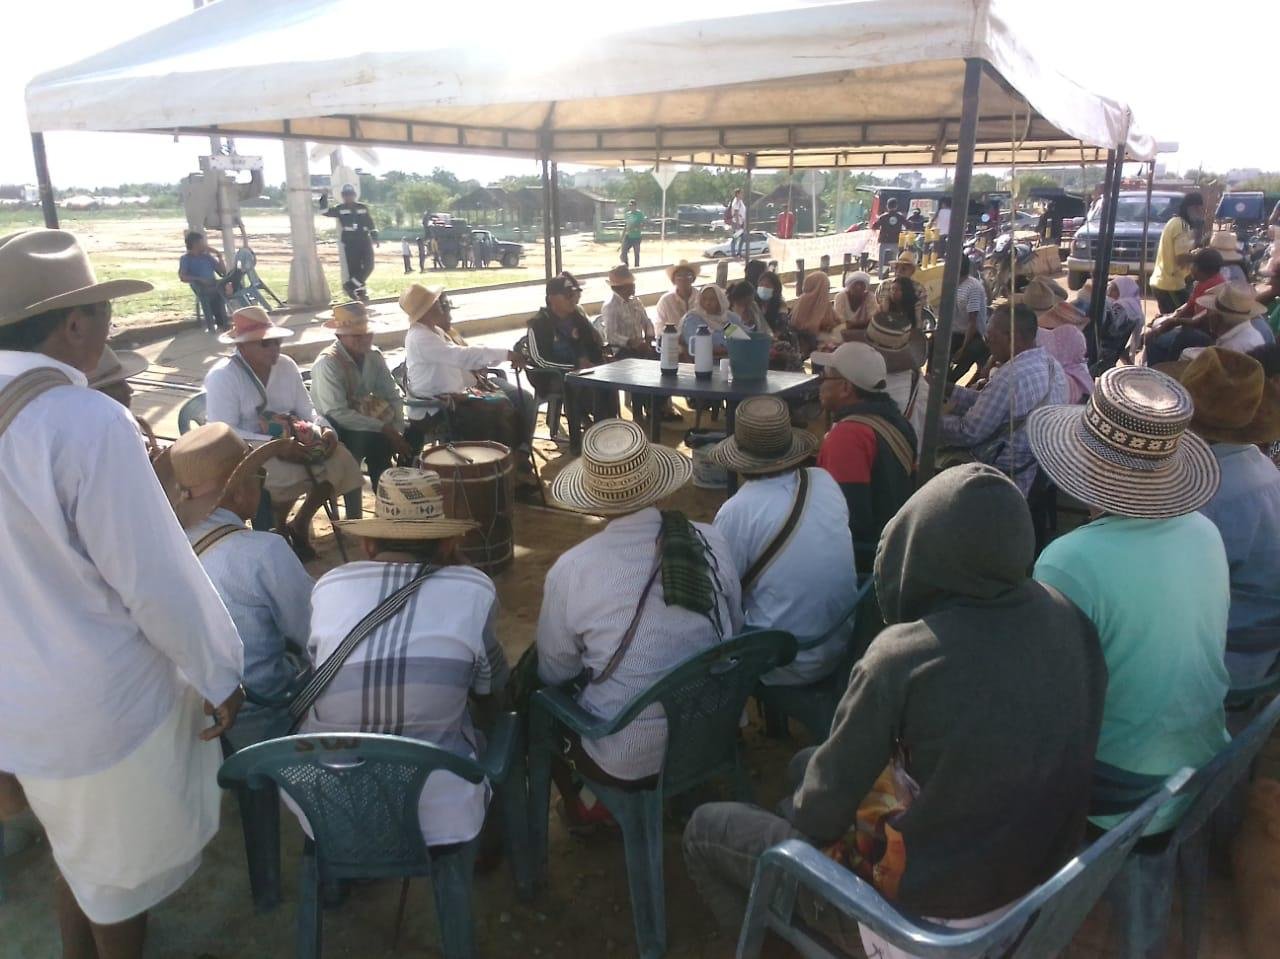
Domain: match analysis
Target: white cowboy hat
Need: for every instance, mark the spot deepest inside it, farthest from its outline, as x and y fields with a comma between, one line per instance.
x=684, y=266
x=1235, y=302
x=763, y=439
x=619, y=471
x=47, y=270
x=410, y=506
x=417, y=300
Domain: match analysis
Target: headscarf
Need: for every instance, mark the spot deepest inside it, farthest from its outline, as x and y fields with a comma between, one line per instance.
x=1130, y=300
x=813, y=312
x=713, y=322
x=860, y=318
x=756, y=269
x=1066, y=344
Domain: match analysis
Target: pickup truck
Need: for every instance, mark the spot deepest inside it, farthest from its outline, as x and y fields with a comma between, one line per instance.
x=1127, y=246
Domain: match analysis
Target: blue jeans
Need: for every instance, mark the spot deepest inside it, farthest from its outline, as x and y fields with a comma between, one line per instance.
x=1168, y=346
x=631, y=243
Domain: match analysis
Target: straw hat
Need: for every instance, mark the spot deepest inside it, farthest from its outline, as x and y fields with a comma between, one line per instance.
x=889, y=332
x=409, y=506
x=116, y=367
x=1041, y=294
x=1225, y=243
x=763, y=439
x=905, y=258
x=1128, y=451
x=47, y=270
x=1235, y=302
x=351, y=319
x=251, y=324
x=418, y=300
x=204, y=465
x=1234, y=400
x=619, y=471
x=683, y=266
x=621, y=275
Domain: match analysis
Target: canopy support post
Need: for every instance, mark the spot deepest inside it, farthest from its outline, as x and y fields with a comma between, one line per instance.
x=746, y=219
x=46, y=184
x=940, y=361
x=1102, y=264
x=1144, y=287
x=555, y=213
x=546, y=219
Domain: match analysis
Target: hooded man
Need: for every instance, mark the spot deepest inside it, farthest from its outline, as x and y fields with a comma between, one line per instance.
x=984, y=699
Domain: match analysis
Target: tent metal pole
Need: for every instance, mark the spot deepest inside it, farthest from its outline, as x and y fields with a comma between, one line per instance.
x=555, y=213
x=1102, y=264
x=941, y=358
x=546, y=220
x=1144, y=286
x=746, y=219
x=45, y=183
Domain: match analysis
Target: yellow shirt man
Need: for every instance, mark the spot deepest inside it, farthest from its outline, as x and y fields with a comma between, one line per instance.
x=1176, y=239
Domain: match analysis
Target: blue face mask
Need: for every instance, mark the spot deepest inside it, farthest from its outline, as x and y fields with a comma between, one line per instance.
x=765, y=293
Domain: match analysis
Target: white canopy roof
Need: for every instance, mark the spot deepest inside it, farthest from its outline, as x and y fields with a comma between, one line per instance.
x=858, y=83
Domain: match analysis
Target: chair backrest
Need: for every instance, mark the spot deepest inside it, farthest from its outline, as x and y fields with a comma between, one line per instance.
x=358, y=791
x=192, y=413
x=703, y=699
x=1246, y=695
x=1040, y=924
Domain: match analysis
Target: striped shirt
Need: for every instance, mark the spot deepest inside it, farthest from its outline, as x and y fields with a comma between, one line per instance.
x=588, y=599
x=411, y=676
x=971, y=297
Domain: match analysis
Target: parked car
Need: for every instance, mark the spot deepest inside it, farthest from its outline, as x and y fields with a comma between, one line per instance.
x=759, y=246
x=1130, y=240
x=501, y=251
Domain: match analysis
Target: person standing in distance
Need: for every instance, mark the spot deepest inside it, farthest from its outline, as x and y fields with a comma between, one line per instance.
x=358, y=238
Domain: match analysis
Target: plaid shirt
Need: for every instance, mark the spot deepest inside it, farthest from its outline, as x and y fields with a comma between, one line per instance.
x=979, y=421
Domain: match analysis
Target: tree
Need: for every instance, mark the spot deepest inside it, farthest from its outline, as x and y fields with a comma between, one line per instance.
x=1026, y=181
x=447, y=179
x=983, y=183
x=1267, y=183
x=423, y=196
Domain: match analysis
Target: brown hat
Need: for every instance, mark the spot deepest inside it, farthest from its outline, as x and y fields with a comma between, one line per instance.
x=1235, y=402
x=206, y=464
x=116, y=367
x=47, y=270
x=351, y=319
x=251, y=324
x=1235, y=302
x=418, y=300
x=621, y=275
x=1041, y=294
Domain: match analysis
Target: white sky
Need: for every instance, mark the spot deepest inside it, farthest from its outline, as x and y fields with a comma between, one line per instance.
x=1191, y=75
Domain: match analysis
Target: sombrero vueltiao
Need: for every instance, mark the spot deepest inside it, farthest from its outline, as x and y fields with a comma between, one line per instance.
x=410, y=506
x=763, y=440
x=619, y=471
x=1128, y=451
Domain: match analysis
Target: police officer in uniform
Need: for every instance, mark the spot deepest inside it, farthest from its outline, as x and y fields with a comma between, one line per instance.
x=358, y=237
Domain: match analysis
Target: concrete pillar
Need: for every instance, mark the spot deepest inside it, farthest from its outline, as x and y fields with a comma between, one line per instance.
x=307, y=285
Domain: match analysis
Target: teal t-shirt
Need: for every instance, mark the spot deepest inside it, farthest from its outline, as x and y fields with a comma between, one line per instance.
x=635, y=223
x=1158, y=592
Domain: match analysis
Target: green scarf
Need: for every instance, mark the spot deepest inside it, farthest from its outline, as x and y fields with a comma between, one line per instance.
x=689, y=576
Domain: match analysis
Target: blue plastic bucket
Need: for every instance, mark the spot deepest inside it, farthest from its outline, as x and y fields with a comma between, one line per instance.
x=749, y=359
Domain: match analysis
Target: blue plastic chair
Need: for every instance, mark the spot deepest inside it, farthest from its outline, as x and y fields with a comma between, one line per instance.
x=1040, y=924
x=1142, y=892
x=814, y=704
x=192, y=413
x=360, y=795
x=703, y=698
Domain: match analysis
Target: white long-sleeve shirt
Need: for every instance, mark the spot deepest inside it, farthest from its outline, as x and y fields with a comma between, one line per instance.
x=625, y=320
x=437, y=366
x=232, y=398
x=673, y=308
x=106, y=610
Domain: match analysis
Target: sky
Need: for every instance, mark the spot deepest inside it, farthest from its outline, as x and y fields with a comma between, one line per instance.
x=1201, y=96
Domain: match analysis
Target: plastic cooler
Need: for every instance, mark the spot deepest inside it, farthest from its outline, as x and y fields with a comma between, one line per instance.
x=749, y=359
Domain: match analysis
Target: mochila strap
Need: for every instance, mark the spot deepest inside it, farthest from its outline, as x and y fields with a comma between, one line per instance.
x=24, y=388
x=215, y=535
x=896, y=442
x=783, y=535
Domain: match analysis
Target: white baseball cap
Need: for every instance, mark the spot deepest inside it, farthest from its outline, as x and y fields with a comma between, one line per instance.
x=859, y=363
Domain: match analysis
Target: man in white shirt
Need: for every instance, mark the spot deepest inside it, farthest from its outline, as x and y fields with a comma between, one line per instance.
x=441, y=374
x=114, y=638
x=942, y=223
x=259, y=393
x=415, y=674
x=604, y=608
x=1230, y=309
x=627, y=327
x=796, y=574
x=676, y=303
x=738, y=223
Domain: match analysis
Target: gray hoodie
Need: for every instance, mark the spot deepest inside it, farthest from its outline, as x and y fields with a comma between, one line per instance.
x=991, y=683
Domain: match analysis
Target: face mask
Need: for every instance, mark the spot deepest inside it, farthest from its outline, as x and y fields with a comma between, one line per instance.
x=764, y=292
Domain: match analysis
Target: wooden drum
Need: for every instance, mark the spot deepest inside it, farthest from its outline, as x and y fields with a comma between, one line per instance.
x=477, y=479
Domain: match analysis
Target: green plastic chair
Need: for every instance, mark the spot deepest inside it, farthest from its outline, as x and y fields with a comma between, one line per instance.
x=191, y=413
x=814, y=704
x=703, y=698
x=360, y=794
x=1040, y=924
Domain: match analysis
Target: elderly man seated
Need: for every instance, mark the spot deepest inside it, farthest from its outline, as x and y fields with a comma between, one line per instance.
x=442, y=375
x=417, y=673
x=608, y=611
x=354, y=390
x=788, y=530
x=259, y=393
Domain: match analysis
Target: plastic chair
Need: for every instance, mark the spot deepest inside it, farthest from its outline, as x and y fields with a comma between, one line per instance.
x=360, y=792
x=702, y=698
x=553, y=398
x=192, y=413
x=814, y=704
x=1142, y=892
x=1040, y=924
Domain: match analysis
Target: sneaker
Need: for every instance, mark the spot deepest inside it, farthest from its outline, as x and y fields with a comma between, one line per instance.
x=582, y=820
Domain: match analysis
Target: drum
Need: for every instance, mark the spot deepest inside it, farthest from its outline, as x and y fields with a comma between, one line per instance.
x=478, y=482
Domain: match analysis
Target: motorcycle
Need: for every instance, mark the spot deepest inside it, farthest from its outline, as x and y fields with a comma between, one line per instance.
x=997, y=269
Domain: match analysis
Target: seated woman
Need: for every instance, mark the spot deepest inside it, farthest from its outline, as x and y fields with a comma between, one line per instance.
x=1121, y=331
x=1066, y=345
x=711, y=309
x=785, y=354
x=854, y=305
x=742, y=302
x=813, y=315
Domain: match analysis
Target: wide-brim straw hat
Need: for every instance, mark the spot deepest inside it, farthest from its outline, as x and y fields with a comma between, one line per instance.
x=251, y=324
x=1041, y=294
x=619, y=471
x=116, y=366
x=1235, y=401
x=1128, y=451
x=203, y=466
x=683, y=265
x=763, y=440
x=1225, y=243
x=351, y=319
x=417, y=300
x=410, y=506
x=621, y=275
x=47, y=270
x=1235, y=302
